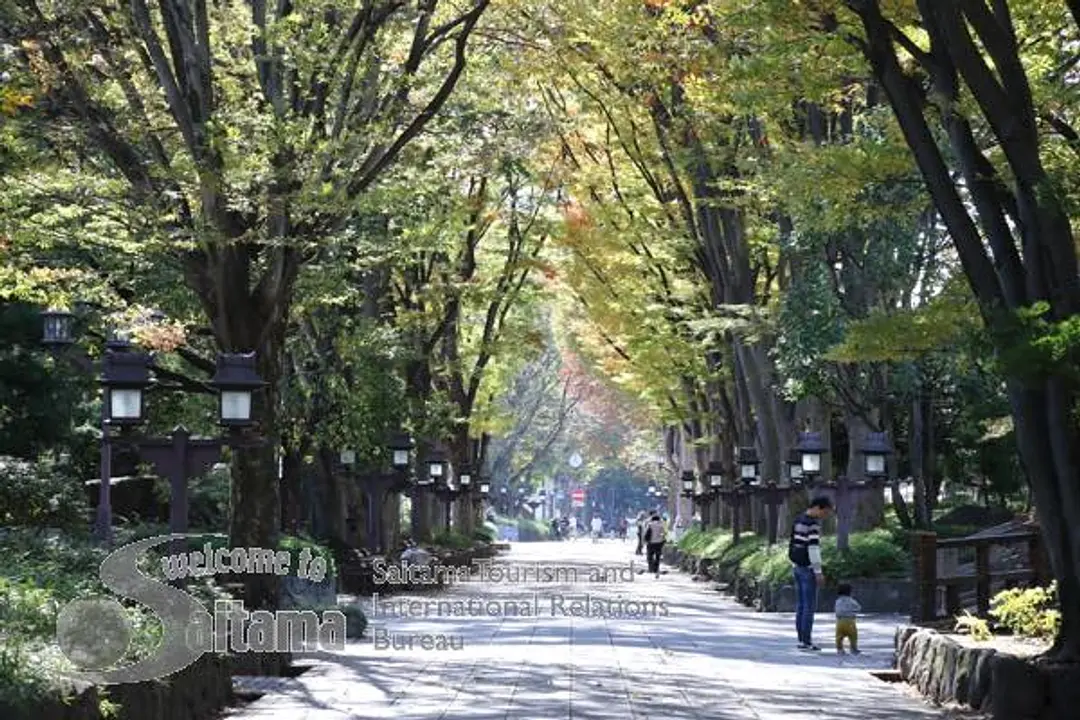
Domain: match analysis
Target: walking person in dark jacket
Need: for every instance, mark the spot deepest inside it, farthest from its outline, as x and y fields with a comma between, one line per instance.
x=640, y=533
x=804, y=551
x=655, y=536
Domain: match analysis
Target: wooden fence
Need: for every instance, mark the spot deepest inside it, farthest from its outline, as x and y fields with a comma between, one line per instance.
x=956, y=574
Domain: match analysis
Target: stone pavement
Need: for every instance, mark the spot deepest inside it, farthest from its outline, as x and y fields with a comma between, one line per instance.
x=707, y=658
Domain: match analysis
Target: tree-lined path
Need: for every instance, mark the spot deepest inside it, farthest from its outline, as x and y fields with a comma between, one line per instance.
x=709, y=658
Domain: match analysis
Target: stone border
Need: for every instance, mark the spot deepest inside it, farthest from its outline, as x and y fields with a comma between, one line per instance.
x=1005, y=686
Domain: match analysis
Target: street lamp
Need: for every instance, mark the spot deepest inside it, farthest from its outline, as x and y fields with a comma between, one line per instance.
x=688, y=482
x=347, y=458
x=58, y=327
x=465, y=479
x=876, y=448
x=715, y=472
x=811, y=447
x=125, y=374
x=748, y=465
x=236, y=380
x=400, y=446
x=436, y=463
x=794, y=468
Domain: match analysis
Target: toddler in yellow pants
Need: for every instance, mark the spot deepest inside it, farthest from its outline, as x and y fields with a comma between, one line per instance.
x=847, y=608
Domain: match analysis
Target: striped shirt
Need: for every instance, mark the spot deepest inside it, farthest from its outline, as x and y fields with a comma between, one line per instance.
x=805, y=547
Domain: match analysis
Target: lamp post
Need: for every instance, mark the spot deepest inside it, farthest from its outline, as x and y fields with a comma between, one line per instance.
x=876, y=449
x=810, y=448
x=180, y=457
x=125, y=376
x=794, y=468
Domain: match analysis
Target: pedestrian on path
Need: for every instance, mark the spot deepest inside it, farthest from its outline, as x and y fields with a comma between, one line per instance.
x=640, y=533
x=654, y=537
x=846, y=609
x=597, y=528
x=804, y=551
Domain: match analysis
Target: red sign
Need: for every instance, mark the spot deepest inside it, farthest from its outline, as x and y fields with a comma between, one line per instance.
x=578, y=495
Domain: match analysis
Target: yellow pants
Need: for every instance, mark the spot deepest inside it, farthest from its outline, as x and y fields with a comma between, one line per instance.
x=845, y=628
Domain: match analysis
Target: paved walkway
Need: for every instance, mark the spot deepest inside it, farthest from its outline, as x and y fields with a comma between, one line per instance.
x=707, y=658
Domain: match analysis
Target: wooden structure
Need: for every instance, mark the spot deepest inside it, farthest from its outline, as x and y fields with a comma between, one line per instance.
x=957, y=574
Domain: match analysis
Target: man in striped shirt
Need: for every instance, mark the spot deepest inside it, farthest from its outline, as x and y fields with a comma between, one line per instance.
x=804, y=551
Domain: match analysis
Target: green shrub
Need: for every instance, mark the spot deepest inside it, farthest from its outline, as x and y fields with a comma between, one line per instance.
x=529, y=529
x=356, y=621
x=40, y=495
x=976, y=627
x=452, y=539
x=486, y=533
x=1030, y=612
x=871, y=554
x=209, y=499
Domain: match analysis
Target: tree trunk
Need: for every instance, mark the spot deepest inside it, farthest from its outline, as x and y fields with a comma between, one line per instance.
x=1048, y=438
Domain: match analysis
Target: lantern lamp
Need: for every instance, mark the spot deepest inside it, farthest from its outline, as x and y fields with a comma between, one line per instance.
x=465, y=479
x=748, y=465
x=794, y=467
x=688, y=482
x=811, y=448
x=125, y=376
x=485, y=486
x=400, y=446
x=348, y=458
x=57, y=327
x=715, y=472
x=876, y=448
x=236, y=381
x=436, y=464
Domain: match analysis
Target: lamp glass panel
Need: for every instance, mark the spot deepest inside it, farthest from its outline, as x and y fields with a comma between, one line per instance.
x=875, y=464
x=348, y=457
x=811, y=462
x=485, y=487
x=435, y=469
x=716, y=480
x=688, y=485
x=465, y=480
x=236, y=405
x=749, y=471
x=794, y=471
x=401, y=458
x=125, y=403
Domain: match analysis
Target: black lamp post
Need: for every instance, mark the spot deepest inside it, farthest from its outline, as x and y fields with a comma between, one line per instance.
x=180, y=457
x=125, y=376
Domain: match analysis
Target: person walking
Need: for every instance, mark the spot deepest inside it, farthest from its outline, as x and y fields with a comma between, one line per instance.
x=640, y=533
x=804, y=551
x=847, y=609
x=597, y=528
x=654, y=536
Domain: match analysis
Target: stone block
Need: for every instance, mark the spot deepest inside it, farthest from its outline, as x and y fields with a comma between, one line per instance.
x=1062, y=690
x=979, y=684
x=1018, y=689
x=965, y=672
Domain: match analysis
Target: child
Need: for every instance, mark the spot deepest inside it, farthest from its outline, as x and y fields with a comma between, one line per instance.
x=846, y=609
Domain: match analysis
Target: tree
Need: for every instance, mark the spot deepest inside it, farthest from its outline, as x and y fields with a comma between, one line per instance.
x=245, y=131
x=989, y=168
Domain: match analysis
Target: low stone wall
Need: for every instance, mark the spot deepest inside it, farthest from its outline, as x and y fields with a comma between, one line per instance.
x=198, y=692
x=1005, y=686
x=876, y=595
